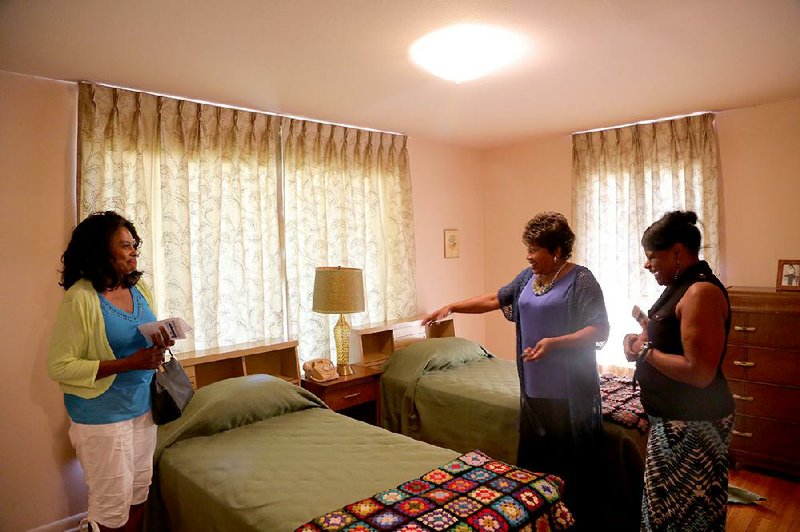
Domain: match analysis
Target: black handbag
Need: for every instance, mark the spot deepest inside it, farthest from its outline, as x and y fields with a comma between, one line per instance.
x=170, y=390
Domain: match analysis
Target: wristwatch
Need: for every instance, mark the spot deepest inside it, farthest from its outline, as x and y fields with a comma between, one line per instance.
x=644, y=351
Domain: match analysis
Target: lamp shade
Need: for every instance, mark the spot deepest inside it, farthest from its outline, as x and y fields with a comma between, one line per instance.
x=338, y=290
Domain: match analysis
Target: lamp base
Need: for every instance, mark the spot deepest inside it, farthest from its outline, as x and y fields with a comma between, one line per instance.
x=341, y=333
x=344, y=369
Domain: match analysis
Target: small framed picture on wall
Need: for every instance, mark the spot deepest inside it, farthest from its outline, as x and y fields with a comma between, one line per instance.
x=788, y=275
x=451, y=243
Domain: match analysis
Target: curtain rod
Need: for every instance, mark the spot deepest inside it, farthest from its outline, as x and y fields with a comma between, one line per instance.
x=206, y=102
x=642, y=122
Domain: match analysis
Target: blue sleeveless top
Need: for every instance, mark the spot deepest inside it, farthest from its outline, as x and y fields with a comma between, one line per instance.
x=129, y=395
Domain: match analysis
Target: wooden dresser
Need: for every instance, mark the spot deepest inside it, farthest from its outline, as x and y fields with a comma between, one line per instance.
x=763, y=369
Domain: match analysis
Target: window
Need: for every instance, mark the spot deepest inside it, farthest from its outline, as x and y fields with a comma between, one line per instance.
x=236, y=210
x=623, y=180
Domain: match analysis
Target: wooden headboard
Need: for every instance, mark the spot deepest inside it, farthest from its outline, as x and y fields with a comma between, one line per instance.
x=373, y=344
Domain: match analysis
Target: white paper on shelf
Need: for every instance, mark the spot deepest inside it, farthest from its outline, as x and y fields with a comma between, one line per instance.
x=176, y=328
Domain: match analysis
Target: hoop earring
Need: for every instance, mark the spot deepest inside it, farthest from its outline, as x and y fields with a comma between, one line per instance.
x=677, y=268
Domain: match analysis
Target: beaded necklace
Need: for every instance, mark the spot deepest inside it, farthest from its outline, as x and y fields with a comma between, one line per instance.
x=539, y=288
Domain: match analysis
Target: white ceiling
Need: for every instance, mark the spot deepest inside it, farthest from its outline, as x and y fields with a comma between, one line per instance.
x=592, y=63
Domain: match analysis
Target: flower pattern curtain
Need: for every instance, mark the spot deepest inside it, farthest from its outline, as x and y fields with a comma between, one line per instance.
x=623, y=180
x=237, y=209
x=347, y=203
x=200, y=184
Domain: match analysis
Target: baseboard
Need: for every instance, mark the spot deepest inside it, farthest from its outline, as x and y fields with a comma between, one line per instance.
x=68, y=524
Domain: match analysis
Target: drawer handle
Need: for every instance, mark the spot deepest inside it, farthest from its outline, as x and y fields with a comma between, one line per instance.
x=743, y=397
x=742, y=434
x=743, y=364
x=350, y=396
x=743, y=329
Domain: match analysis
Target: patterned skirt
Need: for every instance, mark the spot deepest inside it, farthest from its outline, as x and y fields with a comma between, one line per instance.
x=686, y=475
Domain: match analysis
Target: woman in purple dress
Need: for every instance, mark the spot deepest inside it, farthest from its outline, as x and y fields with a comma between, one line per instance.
x=561, y=320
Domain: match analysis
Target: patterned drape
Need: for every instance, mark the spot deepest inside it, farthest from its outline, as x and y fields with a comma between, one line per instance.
x=623, y=180
x=210, y=188
x=348, y=203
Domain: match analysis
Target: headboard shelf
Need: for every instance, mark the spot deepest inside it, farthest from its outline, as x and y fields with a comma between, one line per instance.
x=277, y=358
x=372, y=344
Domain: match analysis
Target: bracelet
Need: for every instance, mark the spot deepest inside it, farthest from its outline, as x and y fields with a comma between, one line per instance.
x=644, y=351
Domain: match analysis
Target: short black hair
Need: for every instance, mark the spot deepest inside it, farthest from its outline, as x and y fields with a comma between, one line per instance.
x=549, y=230
x=88, y=254
x=673, y=228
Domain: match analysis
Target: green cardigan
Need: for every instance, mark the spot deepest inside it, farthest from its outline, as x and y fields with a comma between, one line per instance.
x=79, y=341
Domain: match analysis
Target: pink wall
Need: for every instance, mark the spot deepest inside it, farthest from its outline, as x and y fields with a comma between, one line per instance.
x=760, y=163
x=41, y=480
x=448, y=194
x=520, y=181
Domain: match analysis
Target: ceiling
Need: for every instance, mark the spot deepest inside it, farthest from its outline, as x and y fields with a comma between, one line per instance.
x=591, y=63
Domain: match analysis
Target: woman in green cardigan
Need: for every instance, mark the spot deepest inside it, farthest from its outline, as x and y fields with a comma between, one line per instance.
x=104, y=366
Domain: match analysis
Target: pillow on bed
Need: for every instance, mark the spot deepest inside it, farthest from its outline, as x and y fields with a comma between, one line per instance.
x=234, y=402
x=444, y=353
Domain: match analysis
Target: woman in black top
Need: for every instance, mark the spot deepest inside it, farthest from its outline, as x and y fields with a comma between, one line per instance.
x=679, y=368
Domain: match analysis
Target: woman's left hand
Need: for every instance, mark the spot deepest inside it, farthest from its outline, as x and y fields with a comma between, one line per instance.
x=541, y=349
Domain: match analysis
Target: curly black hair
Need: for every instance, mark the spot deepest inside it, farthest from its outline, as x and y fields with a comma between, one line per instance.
x=673, y=228
x=88, y=254
x=549, y=230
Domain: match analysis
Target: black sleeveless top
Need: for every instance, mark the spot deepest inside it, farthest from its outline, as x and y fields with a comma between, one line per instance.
x=668, y=398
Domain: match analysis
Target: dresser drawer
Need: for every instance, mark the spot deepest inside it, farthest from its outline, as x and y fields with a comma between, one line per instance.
x=765, y=400
x=352, y=394
x=762, y=365
x=772, y=439
x=764, y=329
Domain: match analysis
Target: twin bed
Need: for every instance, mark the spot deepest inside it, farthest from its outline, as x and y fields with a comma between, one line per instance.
x=257, y=453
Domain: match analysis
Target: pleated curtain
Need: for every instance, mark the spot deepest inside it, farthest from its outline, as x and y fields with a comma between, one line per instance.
x=348, y=203
x=623, y=180
x=237, y=209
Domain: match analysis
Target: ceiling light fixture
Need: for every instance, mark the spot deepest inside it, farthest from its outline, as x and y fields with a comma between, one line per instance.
x=464, y=52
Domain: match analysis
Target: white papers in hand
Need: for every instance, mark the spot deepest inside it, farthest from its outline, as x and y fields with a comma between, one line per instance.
x=176, y=328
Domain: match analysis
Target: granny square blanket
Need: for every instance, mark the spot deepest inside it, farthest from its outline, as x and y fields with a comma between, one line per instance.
x=622, y=403
x=474, y=492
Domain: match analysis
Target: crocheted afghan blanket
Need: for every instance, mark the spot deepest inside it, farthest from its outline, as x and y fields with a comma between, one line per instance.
x=622, y=404
x=472, y=493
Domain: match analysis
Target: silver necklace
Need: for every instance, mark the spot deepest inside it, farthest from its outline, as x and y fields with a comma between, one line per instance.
x=539, y=288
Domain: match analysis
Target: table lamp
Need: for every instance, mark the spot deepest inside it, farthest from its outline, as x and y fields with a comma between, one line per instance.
x=340, y=291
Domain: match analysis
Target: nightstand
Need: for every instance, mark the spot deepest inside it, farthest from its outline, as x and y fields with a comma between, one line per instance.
x=356, y=395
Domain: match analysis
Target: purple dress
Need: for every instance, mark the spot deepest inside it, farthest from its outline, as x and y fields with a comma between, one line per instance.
x=545, y=316
x=560, y=411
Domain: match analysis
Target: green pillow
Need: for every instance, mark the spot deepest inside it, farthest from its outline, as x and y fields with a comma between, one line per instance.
x=444, y=353
x=232, y=403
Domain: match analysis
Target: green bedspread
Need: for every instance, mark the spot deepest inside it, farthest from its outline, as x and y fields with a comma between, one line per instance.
x=256, y=453
x=451, y=392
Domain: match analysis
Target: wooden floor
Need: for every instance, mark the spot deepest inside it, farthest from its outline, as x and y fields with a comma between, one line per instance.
x=780, y=512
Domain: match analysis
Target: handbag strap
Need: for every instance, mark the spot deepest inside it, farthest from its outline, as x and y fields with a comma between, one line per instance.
x=161, y=367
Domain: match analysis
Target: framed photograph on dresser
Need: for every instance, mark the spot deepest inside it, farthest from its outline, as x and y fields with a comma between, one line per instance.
x=788, y=275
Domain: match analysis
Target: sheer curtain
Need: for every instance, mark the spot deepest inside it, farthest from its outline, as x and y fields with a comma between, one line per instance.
x=237, y=209
x=347, y=203
x=623, y=180
x=200, y=183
